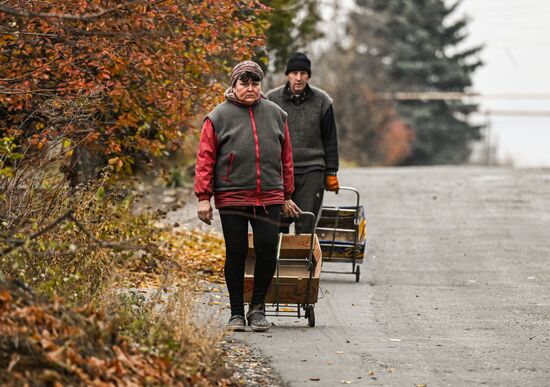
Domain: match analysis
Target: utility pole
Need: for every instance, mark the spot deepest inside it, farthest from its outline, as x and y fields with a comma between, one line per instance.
x=488, y=140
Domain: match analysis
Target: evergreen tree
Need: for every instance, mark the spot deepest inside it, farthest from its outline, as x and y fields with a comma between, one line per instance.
x=292, y=26
x=370, y=132
x=416, y=47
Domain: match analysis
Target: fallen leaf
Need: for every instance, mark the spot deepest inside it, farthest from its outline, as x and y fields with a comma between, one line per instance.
x=5, y=296
x=14, y=359
x=47, y=344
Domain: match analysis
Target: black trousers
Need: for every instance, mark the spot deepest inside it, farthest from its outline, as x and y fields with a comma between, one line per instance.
x=265, y=229
x=309, y=189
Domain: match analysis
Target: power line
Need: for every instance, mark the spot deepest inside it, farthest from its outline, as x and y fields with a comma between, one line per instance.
x=458, y=96
x=517, y=113
x=455, y=96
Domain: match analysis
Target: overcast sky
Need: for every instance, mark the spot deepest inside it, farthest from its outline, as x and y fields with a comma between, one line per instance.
x=516, y=34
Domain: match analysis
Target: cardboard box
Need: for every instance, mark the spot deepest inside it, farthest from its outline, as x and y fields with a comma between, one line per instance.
x=291, y=285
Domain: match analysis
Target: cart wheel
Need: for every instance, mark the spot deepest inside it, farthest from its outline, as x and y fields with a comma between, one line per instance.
x=310, y=315
x=357, y=273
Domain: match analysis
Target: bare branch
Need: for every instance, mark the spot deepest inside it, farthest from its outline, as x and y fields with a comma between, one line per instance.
x=83, y=17
x=28, y=74
x=123, y=245
x=19, y=243
x=6, y=91
x=14, y=32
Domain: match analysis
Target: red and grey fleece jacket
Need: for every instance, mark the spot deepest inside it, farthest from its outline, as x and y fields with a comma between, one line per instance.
x=245, y=155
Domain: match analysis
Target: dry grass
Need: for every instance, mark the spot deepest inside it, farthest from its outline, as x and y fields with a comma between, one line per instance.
x=44, y=342
x=166, y=324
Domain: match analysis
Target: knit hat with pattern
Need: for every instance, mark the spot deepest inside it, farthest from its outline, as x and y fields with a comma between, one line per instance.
x=243, y=67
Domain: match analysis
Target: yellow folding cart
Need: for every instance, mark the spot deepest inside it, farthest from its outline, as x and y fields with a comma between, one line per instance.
x=342, y=234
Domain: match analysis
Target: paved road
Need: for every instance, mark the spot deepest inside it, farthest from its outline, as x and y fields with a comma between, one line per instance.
x=455, y=291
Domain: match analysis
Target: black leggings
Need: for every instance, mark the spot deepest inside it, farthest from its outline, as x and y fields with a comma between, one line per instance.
x=265, y=229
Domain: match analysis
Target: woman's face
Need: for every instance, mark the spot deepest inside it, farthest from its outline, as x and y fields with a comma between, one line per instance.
x=247, y=92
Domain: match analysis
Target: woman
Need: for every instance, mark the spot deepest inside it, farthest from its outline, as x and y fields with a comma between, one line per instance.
x=245, y=162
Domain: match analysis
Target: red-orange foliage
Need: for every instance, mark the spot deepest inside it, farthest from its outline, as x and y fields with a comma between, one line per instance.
x=397, y=141
x=46, y=343
x=124, y=78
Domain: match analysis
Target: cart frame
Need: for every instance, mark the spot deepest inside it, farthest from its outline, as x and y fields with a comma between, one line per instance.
x=355, y=249
x=306, y=308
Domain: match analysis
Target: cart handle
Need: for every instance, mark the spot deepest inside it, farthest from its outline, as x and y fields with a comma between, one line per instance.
x=314, y=221
x=278, y=259
x=357, y=202
x=353, y=190
x=310, y=254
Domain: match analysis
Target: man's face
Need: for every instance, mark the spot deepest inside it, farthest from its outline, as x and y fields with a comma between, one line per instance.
x=247, y=92
x=298, y=81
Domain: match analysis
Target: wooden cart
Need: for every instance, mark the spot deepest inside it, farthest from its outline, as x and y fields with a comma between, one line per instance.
x=295, y=285
x=343, y=235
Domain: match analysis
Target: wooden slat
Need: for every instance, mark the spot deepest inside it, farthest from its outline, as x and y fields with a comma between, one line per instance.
x=328, y=229
x=292, y=246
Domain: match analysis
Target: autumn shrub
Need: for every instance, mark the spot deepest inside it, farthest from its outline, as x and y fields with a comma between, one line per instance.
x=93, y=233
x=88, y=84
x=122, y=81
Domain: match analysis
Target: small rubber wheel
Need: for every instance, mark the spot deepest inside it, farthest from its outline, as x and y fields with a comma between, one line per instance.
x=310, y=313
x=357, y=273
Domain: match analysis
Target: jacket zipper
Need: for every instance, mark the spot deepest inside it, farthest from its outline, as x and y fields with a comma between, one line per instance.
x=256, y=142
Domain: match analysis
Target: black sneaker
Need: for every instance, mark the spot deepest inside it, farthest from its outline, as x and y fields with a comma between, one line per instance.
x=236, y=323
x=256, y=319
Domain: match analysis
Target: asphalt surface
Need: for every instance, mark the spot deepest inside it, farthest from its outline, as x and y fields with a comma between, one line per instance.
x=455, y=288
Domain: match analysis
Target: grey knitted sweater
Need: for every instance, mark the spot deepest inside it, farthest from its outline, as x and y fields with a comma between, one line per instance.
x=311, y=126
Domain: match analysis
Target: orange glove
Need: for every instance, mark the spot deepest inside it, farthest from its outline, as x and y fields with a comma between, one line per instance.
x=331, y=183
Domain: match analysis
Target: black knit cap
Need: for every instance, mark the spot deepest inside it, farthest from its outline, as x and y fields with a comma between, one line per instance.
x=298, y=62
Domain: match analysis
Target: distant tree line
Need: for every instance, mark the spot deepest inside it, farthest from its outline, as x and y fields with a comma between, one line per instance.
x=390, y=46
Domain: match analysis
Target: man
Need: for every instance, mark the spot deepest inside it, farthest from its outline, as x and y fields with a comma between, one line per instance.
x=312, y=134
